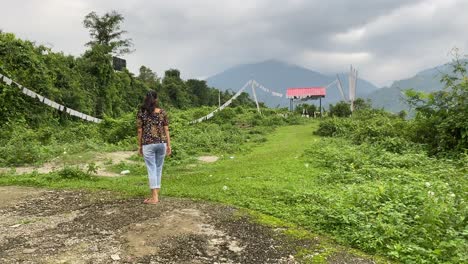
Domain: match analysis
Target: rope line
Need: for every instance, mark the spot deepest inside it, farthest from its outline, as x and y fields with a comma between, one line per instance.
x=227, y=103
x=254, y=84
x=49, y=102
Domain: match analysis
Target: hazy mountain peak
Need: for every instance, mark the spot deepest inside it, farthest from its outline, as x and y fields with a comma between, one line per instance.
x=277, y=76
x=427, y=80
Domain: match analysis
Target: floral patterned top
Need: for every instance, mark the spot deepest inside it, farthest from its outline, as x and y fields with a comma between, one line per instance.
x=152, y=125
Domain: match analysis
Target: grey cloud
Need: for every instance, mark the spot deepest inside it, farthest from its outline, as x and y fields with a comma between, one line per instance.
x=204, y=37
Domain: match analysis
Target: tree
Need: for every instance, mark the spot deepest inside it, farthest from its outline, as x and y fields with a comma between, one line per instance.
x=199, y=92
x=442, y=116
x=361, y=104
x=340, y=109
x=106, y=31
x=310, y=108
x=174, y=90
x=150, y=78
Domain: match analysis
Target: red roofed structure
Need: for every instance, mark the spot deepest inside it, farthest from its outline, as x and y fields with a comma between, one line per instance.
x=306, y=93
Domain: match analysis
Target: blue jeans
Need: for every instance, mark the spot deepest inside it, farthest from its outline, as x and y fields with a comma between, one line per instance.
x=154, y=158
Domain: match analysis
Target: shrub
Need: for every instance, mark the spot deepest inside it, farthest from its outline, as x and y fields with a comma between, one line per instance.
x=408, y=206
x=372, y=126
x=340, y=109
x=73, y=173
x=442, y=116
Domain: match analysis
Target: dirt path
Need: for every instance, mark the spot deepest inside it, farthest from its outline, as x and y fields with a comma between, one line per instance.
x=101, y=161
x=49, y=226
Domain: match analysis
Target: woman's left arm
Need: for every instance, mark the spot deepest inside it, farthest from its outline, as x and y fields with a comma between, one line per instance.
x=168, y=138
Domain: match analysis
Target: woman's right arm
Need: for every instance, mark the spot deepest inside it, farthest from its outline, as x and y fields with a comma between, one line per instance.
x=140, y=134
x=139, y=122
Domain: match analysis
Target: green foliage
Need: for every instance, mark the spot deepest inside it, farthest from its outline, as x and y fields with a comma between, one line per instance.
x=72, y=173
x=442, y=116
x=106, y=31
x=114, y=130
x=20, y=144
x=310, y=109
x=361, y=104
x=377, y=127
x=227, y=132
x=340, y=109
x=407, y=206
x=88, y=84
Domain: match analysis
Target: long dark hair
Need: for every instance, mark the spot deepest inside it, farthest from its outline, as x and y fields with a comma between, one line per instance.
x=150, y=102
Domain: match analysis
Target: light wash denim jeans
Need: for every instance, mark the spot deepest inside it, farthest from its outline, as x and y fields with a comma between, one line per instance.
x=154, y=158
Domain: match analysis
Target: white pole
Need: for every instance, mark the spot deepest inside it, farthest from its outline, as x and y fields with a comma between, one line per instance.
x=340, y=87
x=255, y=96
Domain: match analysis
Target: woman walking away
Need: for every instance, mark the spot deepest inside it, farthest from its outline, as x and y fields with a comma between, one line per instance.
x=154, y=142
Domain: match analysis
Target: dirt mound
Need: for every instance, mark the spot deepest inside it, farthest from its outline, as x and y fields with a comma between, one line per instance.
x=67, y=226
x=49, y=226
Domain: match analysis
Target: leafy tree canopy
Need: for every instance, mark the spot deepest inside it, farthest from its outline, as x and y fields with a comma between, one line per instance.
x=106, y=30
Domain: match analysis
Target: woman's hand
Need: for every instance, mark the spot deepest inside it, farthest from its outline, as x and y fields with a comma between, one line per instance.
x=140, y=151
x=168, y=151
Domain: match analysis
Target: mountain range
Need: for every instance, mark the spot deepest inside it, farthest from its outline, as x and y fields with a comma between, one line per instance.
x=392, y=99
x=278, y=76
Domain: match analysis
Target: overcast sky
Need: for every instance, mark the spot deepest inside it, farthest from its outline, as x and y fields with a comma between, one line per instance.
x=385, y=40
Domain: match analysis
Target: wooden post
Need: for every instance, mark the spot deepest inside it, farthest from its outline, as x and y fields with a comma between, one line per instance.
x=320, y=100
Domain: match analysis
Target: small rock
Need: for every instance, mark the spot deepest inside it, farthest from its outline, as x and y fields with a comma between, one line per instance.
x=29, y=250
x=15, y=226
x=124, y=172
x=115, y=257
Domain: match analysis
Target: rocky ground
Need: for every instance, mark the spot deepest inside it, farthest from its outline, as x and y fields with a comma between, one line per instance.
x=62, y=226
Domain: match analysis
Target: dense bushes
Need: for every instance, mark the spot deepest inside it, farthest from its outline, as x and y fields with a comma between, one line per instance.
x=373, y=126
x=227, y=131
x=340, y=109
x=20, y=144
x=440, y=125
x=442, y=117
x=88, y=84
x=397, y=199
x=407, y=206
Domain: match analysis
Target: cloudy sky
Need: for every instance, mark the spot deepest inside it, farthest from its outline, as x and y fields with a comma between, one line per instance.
x=385, y=40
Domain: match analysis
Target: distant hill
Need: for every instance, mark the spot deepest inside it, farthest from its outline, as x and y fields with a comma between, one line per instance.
x=278, y=76
x=391, y=98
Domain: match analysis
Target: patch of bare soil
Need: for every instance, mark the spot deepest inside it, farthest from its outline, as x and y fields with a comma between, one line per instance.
x=208, y=159
x=48, y=226
x=101, y=160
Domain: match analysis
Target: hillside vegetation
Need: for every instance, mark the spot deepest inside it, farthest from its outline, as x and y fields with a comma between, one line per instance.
x=373, y=180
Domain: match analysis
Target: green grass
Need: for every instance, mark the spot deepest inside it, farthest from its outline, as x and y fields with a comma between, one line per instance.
x=364, y=197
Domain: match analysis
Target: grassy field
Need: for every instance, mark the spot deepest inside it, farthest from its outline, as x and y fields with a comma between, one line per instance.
x=296, y=176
